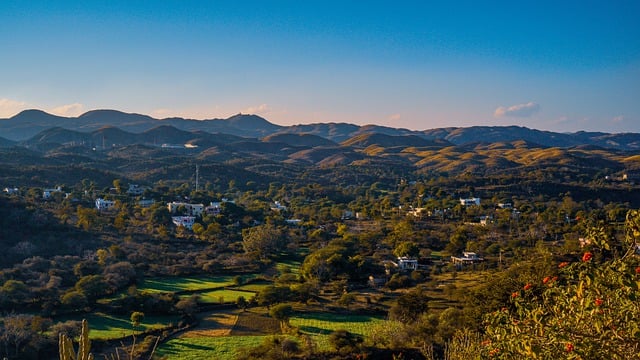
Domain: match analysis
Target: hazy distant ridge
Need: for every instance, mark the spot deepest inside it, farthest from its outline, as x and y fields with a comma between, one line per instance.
x=29, y=123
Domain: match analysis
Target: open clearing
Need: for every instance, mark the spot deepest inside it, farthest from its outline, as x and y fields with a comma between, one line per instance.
x=104, y=326
x=213, y=323
x=176, y=284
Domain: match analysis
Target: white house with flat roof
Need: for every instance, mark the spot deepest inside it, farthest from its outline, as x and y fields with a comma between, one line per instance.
x=102, y=204
x=470, y=201
x=191, y=209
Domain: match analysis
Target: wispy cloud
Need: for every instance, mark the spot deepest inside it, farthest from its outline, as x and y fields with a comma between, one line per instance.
x=9, y=107
x=618, y=119
x=395, y=117
x=261, y=109
x=69, y=110
x=520, y=110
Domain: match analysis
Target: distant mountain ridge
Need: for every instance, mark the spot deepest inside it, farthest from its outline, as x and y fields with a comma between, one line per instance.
x=29, y=123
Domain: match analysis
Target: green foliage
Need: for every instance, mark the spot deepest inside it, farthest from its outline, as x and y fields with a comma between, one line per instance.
x=136, y=318
x=282, y=313
x=588, y=311
x=263, y=241
x=407, y=248
x=345, y=342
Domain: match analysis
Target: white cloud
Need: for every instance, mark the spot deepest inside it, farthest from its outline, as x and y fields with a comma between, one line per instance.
x=520, y=110
x=68, y=110
x=395, y=117
x=162, y=113
x=618, y=119
x=261, y=109
x=10, y=107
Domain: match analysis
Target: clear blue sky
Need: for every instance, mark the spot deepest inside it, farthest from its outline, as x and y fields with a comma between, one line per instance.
x=552, y=65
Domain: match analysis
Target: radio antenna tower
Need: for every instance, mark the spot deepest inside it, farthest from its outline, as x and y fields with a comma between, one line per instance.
x=197, y=175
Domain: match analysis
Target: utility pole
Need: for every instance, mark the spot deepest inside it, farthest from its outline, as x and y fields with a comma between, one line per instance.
x=197, y=175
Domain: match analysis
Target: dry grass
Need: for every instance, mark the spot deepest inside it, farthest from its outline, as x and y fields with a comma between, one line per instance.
x=213, y=324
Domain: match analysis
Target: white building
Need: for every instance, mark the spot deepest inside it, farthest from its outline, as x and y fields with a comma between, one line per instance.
x=277, y=206
x=405, y=263
x=136, y=190
x=191, y=209
x=185, y=221
x=215, y=207
x=467, y=258
x=102, y=204
x=47, y=193
x=470, y=201
x=11, y=191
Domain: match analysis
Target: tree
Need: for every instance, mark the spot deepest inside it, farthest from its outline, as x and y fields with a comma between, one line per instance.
x=13, y=292
x=136, y=318
x=282, y=313
x=17, y=330
x=92, y=286
x=588, y=310
x=263, y=241
x=242, y=303
x=74, y=299
x=86, y=217
x=406, y=248
x=347, y=299
x=344, y=341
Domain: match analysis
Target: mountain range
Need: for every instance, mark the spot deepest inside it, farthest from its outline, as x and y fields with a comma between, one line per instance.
x=32, y=127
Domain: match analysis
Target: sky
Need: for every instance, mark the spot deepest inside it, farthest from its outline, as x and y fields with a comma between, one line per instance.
x=552, y=65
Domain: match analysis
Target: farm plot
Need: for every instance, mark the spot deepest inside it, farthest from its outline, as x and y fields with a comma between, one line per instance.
x=224, y=296
x=214, y=323
x=104, y=326
x=177, y=284
x=197, y=348
x=320, y=325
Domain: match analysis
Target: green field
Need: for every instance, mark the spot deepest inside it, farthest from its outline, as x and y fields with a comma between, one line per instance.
x=317, y=325
x=320, y=325
x=218, y=348
x=104, y=326
x=175, y=284
x=254, y=287
x=228, y=296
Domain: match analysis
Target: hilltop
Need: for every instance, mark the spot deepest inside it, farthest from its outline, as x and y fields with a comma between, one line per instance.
x=28, y=123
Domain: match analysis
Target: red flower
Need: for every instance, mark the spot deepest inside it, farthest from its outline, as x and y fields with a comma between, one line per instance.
x=527, y=287
x=555, y=278
x=514, y=295
x=569, y=347
x=563, y=264
x=587, y=256
x=546, y=280
x=638, y=270
x=599, y=301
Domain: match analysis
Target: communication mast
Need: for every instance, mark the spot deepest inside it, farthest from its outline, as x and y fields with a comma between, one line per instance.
x=197, y=175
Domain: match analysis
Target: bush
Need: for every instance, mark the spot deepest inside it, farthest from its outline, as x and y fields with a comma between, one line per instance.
x=588, y=311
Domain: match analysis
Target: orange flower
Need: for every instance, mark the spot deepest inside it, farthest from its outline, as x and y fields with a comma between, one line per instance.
x=587, y=256
x=527, y=287
x=563, y=264
x=514, y=295
x=569, y=347
x=638, y=270
x=546, y=279
x=599, y=301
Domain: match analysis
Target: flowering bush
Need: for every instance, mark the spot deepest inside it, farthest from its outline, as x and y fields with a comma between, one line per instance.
x=590, y=311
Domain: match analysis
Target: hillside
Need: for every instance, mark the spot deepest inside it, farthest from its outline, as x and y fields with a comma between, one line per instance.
x=29, y=123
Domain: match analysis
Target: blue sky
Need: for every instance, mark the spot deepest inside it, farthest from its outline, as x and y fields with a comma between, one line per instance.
x=561, y=66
